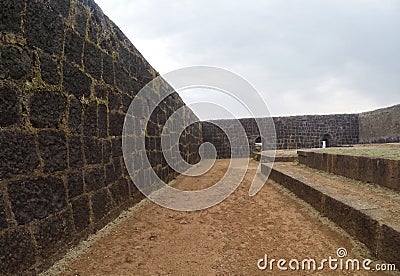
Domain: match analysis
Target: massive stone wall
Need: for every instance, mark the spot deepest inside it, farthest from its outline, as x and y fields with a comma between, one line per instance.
x=67, y=77
x=291, y=132
x=309, y=131
x=380, y=126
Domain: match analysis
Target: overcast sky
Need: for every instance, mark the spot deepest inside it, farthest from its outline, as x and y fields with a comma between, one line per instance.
x=303, y=56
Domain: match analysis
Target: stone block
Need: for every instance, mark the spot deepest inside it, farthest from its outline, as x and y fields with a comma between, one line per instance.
x=53, y=150
x=80, y=18
x=93, y=28
x=393, y=174
x=106, y=153
x=73, y=47
x=354, y=222
x=81, y=212
x=379, y=169
x=389, y=250
x=143, y=71
x=302, y=155
x=47, y=109
x=18, y=152
x=305, y=192
x=10, y=16
x=119, y=191
x=102, y=120
x=109, y=44
x=76, y=159
x=60, y=6
x=3, y=216
x=101, y=204
x=110, y=174
x=94, y=179
x=92, y=60
x=116, y=123
x=90, y=119
x=75, y=82
x=53, y=234
x=116, y=145
x=43, y=28
x=117, y=165
x=75, y=116
x=46, y=196
x=342, y=164
x=153, y=129
x=318, y=161
x=365, y=169
x=108, y=69
x=9, y=106
x=49, y=69
x=126, y=102
x=15, y=63
x=114, y=101
x=16, y=251
x=127, y=59
x=336, y=164
x=101, y=92
x=75, y=184
x=122, y=79
x=92, y=150
x=352, y=167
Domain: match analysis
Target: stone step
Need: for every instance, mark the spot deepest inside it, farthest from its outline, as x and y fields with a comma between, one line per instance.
x=276, y=156
x=378, y=170
x=369, y=213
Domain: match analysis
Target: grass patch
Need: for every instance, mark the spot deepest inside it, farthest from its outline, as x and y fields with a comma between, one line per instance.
x=387, y=152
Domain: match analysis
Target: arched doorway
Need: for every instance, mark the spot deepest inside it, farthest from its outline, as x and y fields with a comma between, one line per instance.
x=326, y=141
x=258, y=144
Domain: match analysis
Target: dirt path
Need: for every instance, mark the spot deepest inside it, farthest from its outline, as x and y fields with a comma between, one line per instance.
x=226, y=239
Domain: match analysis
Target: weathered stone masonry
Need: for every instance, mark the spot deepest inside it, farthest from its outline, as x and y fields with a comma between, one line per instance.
x=291, y=132
x=380, y=126
x=67, y=77
x=308, y=131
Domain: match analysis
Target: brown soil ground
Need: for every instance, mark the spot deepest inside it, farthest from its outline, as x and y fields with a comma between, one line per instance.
x=226, y=239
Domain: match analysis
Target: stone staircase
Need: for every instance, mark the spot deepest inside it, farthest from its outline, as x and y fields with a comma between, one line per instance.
x=276, y=156
x=368, y=212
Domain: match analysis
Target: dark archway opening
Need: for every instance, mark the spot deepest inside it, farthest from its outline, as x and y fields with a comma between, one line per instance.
x=258, y=144
x=326, y=141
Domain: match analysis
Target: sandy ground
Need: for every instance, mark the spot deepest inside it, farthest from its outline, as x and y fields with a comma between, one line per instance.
x=227, y=239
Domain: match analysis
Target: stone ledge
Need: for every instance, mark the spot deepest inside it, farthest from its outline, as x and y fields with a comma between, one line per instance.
x=373, y=220
x=381, y=171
